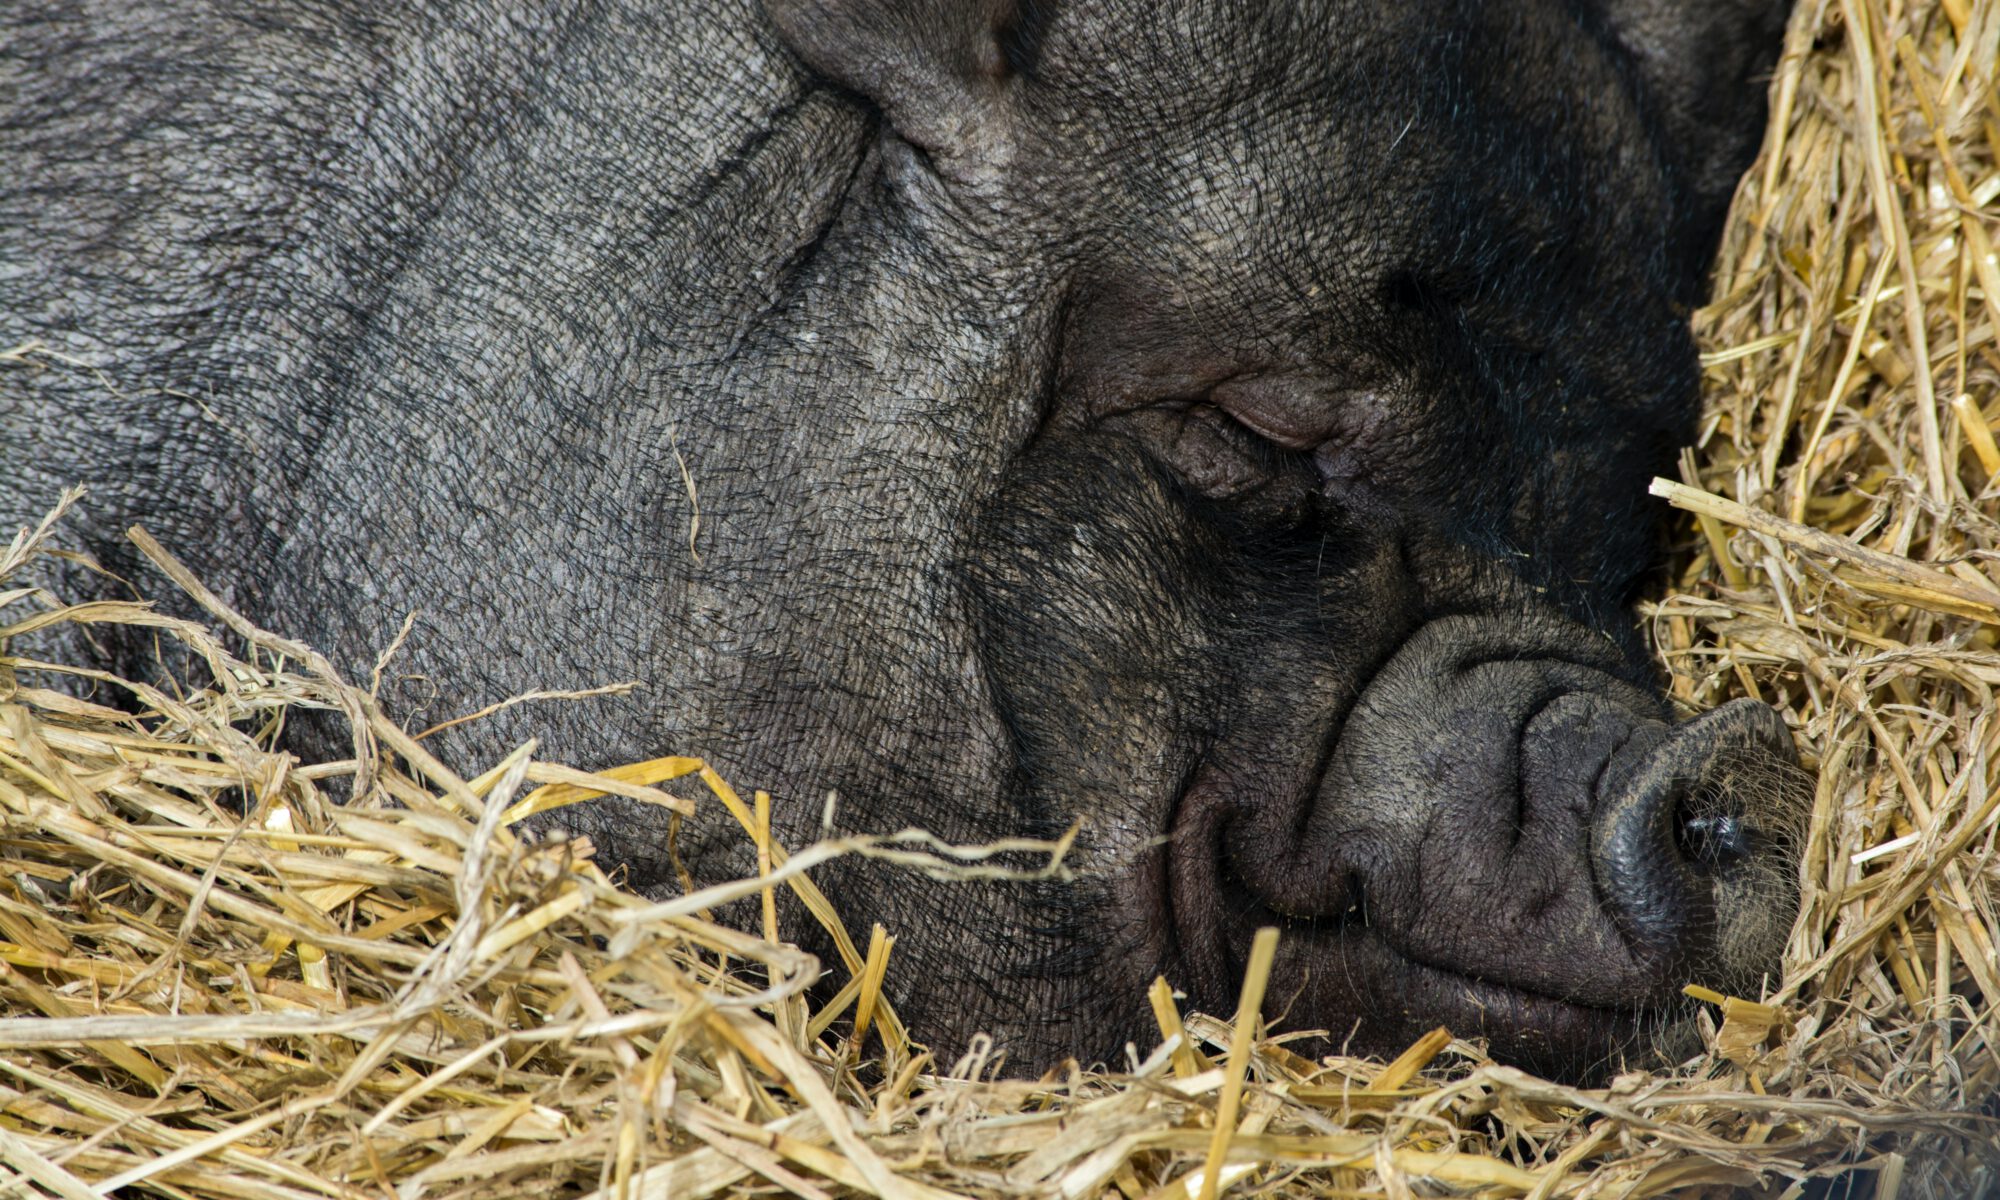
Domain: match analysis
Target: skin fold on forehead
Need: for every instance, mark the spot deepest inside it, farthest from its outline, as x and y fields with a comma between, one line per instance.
x=1338, y=195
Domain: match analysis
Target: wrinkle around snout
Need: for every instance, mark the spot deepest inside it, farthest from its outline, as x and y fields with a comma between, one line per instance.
x=1343, y=964
x=1461, y=791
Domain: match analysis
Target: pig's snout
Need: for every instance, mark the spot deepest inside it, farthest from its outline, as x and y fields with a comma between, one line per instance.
x=1510, y=835
x=1534, y=818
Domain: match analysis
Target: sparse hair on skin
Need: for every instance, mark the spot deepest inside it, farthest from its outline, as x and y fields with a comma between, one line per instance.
x=202, y=1004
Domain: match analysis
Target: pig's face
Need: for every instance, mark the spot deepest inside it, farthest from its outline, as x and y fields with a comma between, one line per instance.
x=1309, y=594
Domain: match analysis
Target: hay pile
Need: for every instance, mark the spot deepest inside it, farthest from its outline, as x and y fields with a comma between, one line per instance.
x=403, y=999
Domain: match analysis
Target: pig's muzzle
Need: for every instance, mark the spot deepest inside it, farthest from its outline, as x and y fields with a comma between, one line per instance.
x=1536, y=852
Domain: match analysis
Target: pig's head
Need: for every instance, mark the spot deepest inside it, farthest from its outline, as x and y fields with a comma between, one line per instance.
x=1222, y=423
x=1326, y=350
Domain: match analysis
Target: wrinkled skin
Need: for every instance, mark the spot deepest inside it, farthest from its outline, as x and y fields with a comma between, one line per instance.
x=1225, y=425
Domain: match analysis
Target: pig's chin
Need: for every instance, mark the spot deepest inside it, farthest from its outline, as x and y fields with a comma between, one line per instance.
x=1542, y=1033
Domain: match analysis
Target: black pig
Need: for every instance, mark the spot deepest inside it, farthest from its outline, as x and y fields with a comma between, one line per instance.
x=1223, y=422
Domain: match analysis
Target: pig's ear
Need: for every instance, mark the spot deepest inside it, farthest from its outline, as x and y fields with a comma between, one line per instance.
x=938, y=69
x=1705, y=65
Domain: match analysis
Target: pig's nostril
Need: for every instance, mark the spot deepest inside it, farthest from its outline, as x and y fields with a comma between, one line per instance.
x=1714, y=843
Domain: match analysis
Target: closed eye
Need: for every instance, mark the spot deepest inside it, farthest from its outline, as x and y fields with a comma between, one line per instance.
x=1212, y=455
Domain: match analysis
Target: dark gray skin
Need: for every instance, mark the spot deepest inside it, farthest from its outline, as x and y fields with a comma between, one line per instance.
x=1223, y=424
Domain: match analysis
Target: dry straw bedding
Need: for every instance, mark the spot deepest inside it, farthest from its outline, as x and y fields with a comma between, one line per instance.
x=403, y=998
